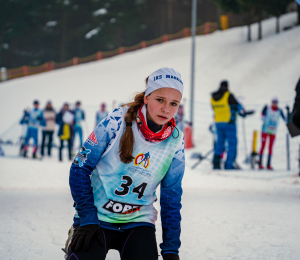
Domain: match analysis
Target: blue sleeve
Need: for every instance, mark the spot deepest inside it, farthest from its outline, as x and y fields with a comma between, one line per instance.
x=264, y=111
x=170, y=202
x=42, y=121
x=85, y=162
x=25, y=118
x=241, y=110
x=83, y=115
x=58, y=118
x=283, y=116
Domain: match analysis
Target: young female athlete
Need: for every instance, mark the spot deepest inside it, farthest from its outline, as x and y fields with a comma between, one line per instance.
x=115, y=174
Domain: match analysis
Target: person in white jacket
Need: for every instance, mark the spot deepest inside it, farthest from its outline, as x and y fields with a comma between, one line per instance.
x=48, y=130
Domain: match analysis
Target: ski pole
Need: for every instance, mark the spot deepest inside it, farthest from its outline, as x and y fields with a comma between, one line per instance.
x=201, y=159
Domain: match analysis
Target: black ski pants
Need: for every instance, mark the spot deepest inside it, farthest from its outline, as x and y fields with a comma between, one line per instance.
x=46, y=134
x=69, y=148
x=137, y=243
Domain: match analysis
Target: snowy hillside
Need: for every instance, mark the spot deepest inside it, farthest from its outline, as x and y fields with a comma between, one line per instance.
x=256, y=70
x=226, y=215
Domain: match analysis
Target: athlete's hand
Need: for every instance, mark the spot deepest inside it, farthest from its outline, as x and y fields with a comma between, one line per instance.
x=170, y=257
x=84, y=235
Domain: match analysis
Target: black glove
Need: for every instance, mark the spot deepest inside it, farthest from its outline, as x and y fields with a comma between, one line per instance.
x=170, y=257
x=249, y=112
x=84, y=235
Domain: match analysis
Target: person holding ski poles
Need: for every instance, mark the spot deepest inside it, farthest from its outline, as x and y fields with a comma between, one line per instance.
x=114, y=177
x=35, y=119
x=24, y=122
x=226, y=108
x=270, y=117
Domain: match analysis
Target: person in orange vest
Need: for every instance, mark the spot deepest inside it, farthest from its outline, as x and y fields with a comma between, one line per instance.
x=226, y=107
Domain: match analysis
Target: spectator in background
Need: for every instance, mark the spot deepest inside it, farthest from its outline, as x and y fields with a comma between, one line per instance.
x=35, y=119
x=101, y=114
x=65, y=120
x=226, y=108
x=270, y=117
x=49, y=116
x=24, y=122
x=179, y=118
x=78, y=117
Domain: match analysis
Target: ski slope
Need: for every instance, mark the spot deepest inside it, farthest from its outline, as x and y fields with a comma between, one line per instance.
x=256, y=70
x=225, y=215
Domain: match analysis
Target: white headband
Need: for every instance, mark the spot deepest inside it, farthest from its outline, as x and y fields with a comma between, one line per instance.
x=164, y=78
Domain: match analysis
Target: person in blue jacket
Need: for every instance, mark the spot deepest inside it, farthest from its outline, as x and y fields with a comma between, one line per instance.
x=34, y=119
x=114, y=178
x=78, y=118
x=226, y=108
x=101, y=113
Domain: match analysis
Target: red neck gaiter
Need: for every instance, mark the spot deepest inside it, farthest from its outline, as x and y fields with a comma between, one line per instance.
x=148, y=134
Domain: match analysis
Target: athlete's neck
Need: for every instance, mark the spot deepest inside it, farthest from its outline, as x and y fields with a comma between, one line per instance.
x=153, y=126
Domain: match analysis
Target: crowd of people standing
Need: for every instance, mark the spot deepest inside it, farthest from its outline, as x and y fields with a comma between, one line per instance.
x=69, y=122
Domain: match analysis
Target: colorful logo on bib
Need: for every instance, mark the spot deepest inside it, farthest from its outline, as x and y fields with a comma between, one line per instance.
x=142, y=159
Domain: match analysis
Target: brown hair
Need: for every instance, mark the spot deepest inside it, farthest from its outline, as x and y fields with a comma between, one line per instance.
x=127, y=140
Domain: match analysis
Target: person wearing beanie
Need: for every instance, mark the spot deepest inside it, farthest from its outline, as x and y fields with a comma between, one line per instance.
x=114, y=177
x=101, y=114
x=270, y=117
x=48, y=130
x=79, y=116
x=65, y=120
x=35, y=119
x=226, y=108
x=179, y=118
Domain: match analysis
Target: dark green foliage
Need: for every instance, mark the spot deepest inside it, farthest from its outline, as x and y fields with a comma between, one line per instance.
x=35, y=31
x=255, y=10
x=229, y=5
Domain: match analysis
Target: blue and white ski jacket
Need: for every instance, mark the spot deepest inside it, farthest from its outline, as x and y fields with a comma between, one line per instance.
x=78, y=116
x=34, y=118
x=120, y=196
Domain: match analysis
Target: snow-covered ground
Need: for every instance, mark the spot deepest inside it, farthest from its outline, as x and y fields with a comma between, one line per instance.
x=225, y=215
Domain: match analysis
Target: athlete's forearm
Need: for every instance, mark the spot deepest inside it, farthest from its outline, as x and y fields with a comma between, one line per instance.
x=170, y=201
x=82, y=194
x=170, y=217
